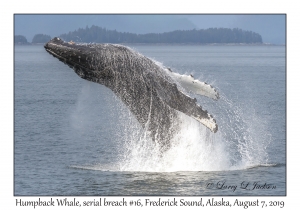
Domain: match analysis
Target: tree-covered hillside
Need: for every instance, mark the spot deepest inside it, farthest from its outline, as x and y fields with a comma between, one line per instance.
x=41, y=38
x=203, y=36
x=19, y=39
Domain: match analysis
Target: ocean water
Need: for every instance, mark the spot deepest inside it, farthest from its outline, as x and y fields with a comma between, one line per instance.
x=74, y=137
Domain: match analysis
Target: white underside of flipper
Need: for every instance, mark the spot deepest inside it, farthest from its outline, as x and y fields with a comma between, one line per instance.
x=189, y=83
x=209, y=123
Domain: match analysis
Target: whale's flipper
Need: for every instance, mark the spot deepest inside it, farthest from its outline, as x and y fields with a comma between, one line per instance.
x=174, y=98
x=189, y=83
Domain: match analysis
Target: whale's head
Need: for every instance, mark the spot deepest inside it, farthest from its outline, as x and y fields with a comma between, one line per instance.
x=83, y=58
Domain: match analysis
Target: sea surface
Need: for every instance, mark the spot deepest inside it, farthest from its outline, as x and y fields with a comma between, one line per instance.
x=74, y=137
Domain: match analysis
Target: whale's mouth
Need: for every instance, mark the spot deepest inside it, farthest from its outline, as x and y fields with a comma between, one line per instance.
x=54, y=46
x=59, y=49
x=70, y=63
x=74, y=55
x=49, y=50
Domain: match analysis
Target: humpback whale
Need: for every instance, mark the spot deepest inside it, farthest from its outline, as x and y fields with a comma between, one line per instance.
x=150, y=91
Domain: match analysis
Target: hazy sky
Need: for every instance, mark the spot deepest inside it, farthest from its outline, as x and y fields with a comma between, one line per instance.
x=271, y=27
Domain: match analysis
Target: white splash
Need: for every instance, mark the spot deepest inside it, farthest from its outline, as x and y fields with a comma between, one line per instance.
x=194, y=148
x=240, y=143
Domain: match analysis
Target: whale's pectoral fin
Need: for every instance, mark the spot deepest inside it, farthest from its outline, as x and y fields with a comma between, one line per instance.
x=195, y=111
x=183, y=103
x=189, y=83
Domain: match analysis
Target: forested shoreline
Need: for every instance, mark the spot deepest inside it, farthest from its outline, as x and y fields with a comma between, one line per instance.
x=37, y=39
x=203, y=36
x=95, y=34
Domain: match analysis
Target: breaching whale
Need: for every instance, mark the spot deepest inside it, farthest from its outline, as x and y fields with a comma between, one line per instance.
x=149, y=90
